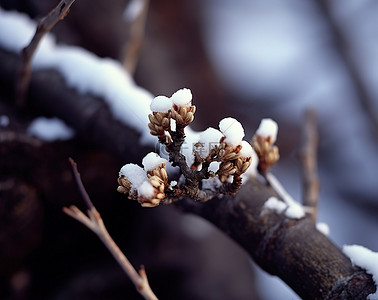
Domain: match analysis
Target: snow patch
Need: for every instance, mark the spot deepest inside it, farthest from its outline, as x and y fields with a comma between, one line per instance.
x=133, y=173
x=295, y=211
x=161, y=104
x=268, y=129
x=246, y=150
x=182, y=97
x=232, y=130
x=83, y=71
x=152, y=161
x=209, y=139
x=366, y=259
x=50, y=130
x=146, y=190
x=274, y=204
x=323, y=228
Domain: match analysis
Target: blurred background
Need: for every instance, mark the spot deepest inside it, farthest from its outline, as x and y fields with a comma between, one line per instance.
x=249, y=59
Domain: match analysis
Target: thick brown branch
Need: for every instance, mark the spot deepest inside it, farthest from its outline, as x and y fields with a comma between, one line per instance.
x=291, y=249
x=44, y=26
x=308, y=158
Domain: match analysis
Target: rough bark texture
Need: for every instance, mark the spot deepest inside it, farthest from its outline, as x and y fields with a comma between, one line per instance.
x=291, y=249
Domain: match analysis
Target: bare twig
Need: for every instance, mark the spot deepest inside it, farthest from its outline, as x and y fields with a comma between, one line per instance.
x=44, y=26
x=95, y=223
x=366, y=101
x=136, y=12
x=308, y=158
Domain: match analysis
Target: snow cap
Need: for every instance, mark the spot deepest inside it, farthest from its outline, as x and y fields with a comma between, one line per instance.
x=209, y=139
x=182, y=97
x=152, y=161
x=146, y=190
x=133, y=173
x=232, y=130
x=246, y=150
x=366, y=259
x=268, y=128
x=161, y=104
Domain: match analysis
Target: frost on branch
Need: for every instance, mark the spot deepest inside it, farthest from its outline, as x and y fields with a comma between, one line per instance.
x=218, y=157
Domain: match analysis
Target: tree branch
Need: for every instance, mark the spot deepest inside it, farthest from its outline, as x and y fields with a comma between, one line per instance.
x=137, y=28
x=291, y=249
x=341, y=45
x=44, y=26
x=95, y=223
x=308, y=159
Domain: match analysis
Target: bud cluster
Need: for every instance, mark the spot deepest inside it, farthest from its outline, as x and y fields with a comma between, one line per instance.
x=220, y=155
x=146, y=185
x=178, y=107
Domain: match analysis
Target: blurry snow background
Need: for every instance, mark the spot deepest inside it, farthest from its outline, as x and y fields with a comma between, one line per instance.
x=282, y=54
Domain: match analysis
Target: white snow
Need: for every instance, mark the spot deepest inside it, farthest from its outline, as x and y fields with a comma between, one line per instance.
x=83, y=71
x=252, y=170
x=138, y=179
x=209, y=139
x=294, y=210
x=232, y=130
x=152, y=161
x=366, y=259
x=161, y=104
x=214, y=166
x=268, y=128
x=182, y=97
x=323, y=228
x=134, y=173
x=146, y=190
x=4, y=121
x=133, y=9
x=50, y=129
x=187, y=148
x=274, y=204
x=246, y=150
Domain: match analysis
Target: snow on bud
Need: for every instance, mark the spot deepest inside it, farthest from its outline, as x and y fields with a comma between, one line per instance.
x=209, y=139
x=146, y=190
x=133, y=173
x=152, y=161
x=161, y=104
x=182, y=97
x=232, y=130
x=246, y=150
x=268, y=129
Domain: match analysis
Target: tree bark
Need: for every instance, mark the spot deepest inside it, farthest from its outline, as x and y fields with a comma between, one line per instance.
x=291, y=249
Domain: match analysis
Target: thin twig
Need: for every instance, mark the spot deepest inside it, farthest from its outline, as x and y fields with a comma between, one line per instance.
x=365, y=99
x=308, y=158
x=44, y=26
x=95, y=223
x=137, y=32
